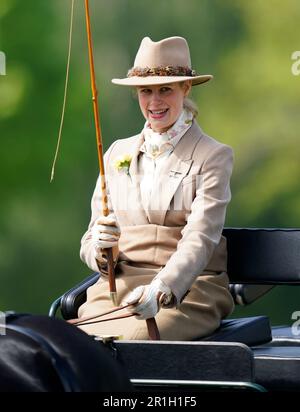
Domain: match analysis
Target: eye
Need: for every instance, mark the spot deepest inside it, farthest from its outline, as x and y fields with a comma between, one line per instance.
x=145, y=91
x=165, y=89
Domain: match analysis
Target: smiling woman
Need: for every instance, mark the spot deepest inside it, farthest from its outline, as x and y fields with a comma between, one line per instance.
x=162, y=105
x=166, y=257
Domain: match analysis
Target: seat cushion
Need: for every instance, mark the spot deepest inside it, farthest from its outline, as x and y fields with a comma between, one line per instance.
x=277, y=368
x=251, y=331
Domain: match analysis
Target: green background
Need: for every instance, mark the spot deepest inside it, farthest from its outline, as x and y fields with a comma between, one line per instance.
x=252, y=104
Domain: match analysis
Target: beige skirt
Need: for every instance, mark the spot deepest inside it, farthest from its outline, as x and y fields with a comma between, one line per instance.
x=199, y=315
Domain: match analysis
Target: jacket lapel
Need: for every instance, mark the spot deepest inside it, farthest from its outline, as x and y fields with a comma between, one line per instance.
x=174, y=170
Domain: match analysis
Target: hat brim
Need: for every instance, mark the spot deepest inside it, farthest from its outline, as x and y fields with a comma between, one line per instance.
x=152, y=80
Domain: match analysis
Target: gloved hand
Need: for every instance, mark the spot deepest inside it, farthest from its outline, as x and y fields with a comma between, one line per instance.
x=105, y=233
x=149, y=298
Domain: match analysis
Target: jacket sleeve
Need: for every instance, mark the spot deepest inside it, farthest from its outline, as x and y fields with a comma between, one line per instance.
x=87, y=244
x=204, y=225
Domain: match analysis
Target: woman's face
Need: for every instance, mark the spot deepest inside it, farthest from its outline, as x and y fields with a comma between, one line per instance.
x=162, y=104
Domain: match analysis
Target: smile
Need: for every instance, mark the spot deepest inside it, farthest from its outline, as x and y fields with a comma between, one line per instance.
x=158, y=114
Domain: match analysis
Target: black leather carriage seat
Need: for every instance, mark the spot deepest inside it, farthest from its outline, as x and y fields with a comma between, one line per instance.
x=251, y=331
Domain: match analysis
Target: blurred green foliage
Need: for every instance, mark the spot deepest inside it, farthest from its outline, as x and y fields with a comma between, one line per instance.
x=252, y=104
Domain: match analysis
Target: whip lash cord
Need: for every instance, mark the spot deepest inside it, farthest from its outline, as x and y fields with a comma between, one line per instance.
x=65, y=93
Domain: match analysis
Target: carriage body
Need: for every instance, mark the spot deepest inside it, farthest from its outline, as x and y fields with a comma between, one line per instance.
x=244, y=353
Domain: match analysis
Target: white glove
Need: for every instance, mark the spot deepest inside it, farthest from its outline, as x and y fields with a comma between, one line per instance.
x=149, y=298
x=105, y=233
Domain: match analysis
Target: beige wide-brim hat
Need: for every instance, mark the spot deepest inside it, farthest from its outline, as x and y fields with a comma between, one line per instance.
x=162, y=62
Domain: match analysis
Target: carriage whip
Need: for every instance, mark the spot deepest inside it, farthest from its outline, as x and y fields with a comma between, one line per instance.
x=105, y=211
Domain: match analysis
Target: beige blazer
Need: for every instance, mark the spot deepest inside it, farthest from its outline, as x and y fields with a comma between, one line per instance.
x=178, y=238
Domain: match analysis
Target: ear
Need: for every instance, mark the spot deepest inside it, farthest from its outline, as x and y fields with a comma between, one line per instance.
x=187, y=85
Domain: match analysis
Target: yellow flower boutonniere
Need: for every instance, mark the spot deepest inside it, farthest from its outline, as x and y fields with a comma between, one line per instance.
x=122, y=163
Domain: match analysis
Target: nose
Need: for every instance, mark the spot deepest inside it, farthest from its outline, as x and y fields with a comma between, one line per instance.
x=156, y=97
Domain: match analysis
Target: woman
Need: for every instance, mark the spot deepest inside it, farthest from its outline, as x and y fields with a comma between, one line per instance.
x=168, y=191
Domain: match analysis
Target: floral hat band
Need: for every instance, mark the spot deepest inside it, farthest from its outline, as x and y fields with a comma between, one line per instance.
x=165, y=61
x=161, y=71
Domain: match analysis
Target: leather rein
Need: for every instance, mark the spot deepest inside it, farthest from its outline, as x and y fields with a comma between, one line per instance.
x=151, y=323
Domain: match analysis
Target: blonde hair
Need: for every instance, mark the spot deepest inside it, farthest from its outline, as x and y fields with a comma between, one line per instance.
x=190, y=105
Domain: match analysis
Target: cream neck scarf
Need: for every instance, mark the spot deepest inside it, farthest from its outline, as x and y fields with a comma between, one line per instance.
x=157, y=143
